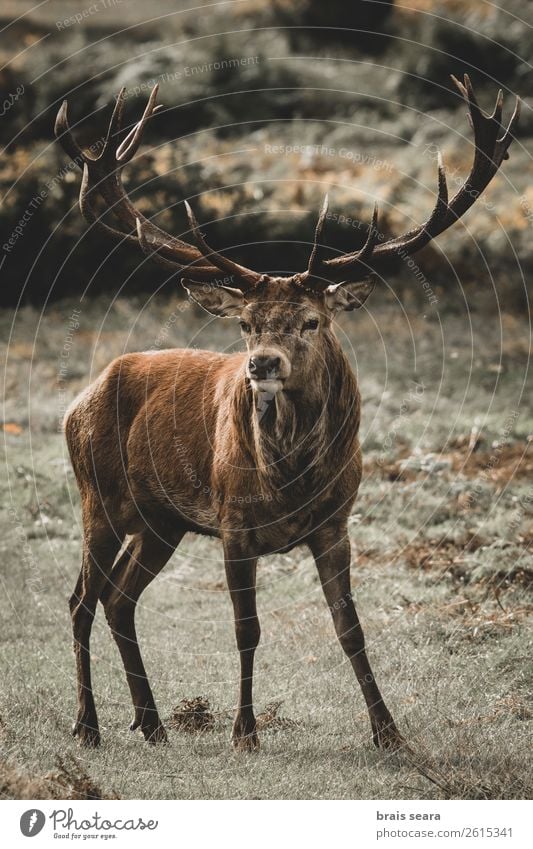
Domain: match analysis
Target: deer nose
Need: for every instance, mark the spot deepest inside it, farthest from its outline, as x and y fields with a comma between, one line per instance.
x=263, y=367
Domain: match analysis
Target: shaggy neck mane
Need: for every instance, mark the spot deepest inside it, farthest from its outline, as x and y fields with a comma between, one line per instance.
x=292, y=438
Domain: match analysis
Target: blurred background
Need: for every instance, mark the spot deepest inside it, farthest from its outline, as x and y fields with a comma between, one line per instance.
x=267, y=106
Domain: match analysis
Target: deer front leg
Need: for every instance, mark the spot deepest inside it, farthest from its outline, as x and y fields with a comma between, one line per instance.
x=331, y=549
x=240, y=575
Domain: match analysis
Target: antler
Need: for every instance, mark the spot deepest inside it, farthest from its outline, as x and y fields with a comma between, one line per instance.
x=102, y=178
x=490, y=151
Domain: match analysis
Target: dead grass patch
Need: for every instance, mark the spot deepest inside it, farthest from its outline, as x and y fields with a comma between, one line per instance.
x=499, y=465
x=69, y=780
x=192, y=715
x=195, y=716
x=478, y=621
x=455, y=560
x=269, y=720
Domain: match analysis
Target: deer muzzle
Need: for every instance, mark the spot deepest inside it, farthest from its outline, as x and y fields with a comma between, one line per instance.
x=267, y=370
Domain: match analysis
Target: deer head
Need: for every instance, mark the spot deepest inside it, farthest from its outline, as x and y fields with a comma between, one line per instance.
x=284, y=325
x=284, y=321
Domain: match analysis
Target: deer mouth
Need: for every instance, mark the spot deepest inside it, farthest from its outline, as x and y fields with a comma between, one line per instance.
x=272, y=385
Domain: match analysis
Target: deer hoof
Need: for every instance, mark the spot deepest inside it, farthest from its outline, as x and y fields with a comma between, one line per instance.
x=246, y=742
x=88, y=735
x=155, y=734
x=386, y=735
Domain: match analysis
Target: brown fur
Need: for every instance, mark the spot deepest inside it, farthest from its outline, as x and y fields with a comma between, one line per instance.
x=168, y=442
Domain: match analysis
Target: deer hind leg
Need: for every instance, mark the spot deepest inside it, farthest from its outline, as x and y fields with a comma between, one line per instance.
x=142, y=560
x=100, y=548
x=331, y=550
x=240, y=574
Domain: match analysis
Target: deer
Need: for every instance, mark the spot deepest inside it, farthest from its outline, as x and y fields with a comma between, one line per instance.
x=271, y=432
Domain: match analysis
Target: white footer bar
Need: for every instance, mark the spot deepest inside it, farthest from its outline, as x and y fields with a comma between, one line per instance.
x=268, y=824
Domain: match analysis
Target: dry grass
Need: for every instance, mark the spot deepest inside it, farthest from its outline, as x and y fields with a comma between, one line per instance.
x=68, y=780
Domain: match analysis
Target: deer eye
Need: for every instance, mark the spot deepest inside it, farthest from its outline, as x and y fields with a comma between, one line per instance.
x=245, y=327
x=312, y=324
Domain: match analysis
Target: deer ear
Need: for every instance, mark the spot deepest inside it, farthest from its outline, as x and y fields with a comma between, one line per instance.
x=218, y=300
x=348, y=296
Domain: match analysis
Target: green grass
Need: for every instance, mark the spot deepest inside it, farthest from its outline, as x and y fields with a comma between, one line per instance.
x=441, y=568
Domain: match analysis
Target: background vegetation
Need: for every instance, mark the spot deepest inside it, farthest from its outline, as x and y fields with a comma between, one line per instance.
x=364, y=112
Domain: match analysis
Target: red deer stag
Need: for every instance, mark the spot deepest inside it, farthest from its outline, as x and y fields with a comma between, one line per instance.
x=299, y=452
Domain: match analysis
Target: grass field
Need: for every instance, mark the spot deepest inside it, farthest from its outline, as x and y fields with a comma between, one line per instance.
x=442, y=569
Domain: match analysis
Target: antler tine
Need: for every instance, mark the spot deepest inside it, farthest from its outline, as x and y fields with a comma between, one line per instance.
x=414, y=239
x=150, y=248
x=69, y=144
x=112, y=139
x=502, y=144
x=314, y=259
x=92, y=217
x=100, y=172
x=102, y=179
x=498, y=108
x=319, y=282
x=372, y=237
x=358, y=259
x=63, y=134
x=467, y=91
x=246, y=278
x=490, y=150
x=128, y=148
x=153, y=250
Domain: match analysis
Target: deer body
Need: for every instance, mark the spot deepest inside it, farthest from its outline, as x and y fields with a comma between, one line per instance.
x=259, y=449
x=175, y=441
x=179, y=436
